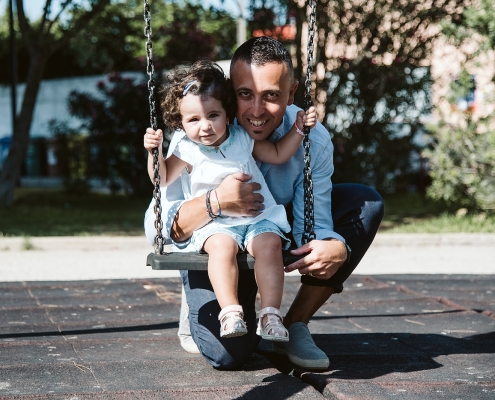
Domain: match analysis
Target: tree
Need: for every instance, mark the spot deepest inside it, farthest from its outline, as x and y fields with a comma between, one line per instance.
x=461, y=159
x=372, y=79
x=104, y=45
x=376, y=57
x=43, y=39
x=115, y=121
x=188, y=31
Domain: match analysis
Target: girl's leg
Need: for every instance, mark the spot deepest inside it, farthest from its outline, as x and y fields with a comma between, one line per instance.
x=269, y=272
x=222, y=268
x=224, y=276
x=268, y=268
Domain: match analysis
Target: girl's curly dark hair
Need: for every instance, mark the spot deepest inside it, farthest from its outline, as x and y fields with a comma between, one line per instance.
x=209, y=81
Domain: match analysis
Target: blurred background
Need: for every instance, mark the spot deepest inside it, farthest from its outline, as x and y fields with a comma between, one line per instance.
x=405, y=88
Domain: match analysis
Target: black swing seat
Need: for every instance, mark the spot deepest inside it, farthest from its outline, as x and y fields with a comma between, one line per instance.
x=199, y=262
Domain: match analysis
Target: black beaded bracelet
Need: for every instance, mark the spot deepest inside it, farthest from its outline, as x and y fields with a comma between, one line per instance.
x=208, y=205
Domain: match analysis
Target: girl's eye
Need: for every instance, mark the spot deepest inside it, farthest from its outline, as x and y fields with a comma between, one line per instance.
x=214, y=115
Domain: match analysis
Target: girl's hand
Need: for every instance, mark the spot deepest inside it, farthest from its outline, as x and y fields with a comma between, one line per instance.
x=153, y=139
x=307, y=118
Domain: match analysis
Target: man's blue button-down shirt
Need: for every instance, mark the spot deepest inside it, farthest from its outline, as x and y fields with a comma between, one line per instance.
x=285, y=181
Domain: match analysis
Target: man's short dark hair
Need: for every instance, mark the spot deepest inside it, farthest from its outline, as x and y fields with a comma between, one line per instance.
x=262, y=50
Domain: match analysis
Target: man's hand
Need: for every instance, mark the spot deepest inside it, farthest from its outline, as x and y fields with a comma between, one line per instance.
x=239, y=198
x=323, y=258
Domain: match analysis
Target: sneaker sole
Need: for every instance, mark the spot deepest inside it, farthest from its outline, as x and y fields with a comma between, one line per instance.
x=231, y=334
x=322, y=364
x=188, y=346
x=279, y=339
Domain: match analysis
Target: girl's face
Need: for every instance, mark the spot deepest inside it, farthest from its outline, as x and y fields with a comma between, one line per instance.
x=203, y=120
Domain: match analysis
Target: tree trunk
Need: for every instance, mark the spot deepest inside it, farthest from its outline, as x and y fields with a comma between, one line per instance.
x=20, y=138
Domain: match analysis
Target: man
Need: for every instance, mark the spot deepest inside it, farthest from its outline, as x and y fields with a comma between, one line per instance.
x=347, y=216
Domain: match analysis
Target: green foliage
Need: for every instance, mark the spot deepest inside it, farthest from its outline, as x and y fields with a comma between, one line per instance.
x=113, y=40
x=188, y=32
x=104, y=45
x=462, y=164
x=377, y=80
x=116, y=122
x=72, y=153
x=54, y=212
x=99, y=47
x=479, y=18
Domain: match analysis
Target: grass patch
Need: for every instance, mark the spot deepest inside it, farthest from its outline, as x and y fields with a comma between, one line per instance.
x=51, y=212
x=414, y=213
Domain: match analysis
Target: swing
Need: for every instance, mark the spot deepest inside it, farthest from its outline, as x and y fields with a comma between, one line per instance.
x=160, y=260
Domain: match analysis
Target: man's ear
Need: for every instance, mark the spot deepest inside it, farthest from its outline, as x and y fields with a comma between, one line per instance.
x=292, y=92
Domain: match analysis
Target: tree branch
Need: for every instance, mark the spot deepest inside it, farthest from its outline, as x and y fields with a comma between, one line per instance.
x=63, y=6
x=46, y=10
x=80, y=24
x=23, y=22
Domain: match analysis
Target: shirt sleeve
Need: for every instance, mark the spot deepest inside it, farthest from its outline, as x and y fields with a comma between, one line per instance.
x=172, y=198
x=321, y=152
x=184, y=151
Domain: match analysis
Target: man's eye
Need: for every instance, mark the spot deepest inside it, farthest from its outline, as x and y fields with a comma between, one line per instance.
x=271, y=95
x=243, y=94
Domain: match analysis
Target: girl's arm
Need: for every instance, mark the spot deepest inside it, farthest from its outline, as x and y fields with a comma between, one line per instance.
x=171, y=168
x=280, y=152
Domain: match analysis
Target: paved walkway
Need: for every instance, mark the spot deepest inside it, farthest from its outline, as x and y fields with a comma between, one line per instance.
x=415, y=334
x=95, y=257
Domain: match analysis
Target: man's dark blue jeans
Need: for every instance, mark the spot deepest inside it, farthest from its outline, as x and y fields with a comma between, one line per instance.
x=357, y=211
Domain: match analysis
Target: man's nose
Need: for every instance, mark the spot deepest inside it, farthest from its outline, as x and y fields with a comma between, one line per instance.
x=258, y=107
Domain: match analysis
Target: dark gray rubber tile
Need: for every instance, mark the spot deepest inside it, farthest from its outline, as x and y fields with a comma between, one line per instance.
x=23, y=316
x=394, y=336
x=464, y=323
x=352, y=390
x=68, y=377
x=163, y=349
x=382, y=308
x=101, y=300
x=378, y=294
x=436, y=281
x=114, y=313
x=294, y=389
x=49, y=352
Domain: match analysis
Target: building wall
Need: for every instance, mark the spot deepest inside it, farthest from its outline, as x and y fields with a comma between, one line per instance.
x=51, y=102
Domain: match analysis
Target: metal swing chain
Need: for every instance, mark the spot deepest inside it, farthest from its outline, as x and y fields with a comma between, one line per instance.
x=150, y=69
x=309, y=216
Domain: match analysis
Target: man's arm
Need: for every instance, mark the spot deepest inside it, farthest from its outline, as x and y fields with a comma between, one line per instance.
x=328, y=252
x=237, y=198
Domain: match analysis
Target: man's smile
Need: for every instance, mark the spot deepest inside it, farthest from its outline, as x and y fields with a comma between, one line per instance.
x=257, y=122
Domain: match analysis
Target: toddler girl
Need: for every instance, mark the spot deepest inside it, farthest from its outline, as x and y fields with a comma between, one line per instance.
x=201, y=101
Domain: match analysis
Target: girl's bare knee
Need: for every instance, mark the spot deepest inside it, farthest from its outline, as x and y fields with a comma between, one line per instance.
x=266, y=243
x=221, y=244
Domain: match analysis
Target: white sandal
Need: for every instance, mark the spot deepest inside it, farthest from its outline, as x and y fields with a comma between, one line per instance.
x=271, y=327
x=232, y=321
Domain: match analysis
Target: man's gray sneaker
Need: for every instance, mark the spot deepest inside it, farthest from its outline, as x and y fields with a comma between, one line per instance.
x=301, y=349
x=185, y=337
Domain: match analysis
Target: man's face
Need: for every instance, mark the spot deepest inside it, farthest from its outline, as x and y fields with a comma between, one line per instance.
x=263, y=93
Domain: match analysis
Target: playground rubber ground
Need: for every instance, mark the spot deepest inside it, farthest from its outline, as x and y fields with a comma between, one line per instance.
x=84, y=318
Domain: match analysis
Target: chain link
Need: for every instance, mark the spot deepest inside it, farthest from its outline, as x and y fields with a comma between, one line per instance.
x=150, y=69
x=309, y=216
x=309, y=219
